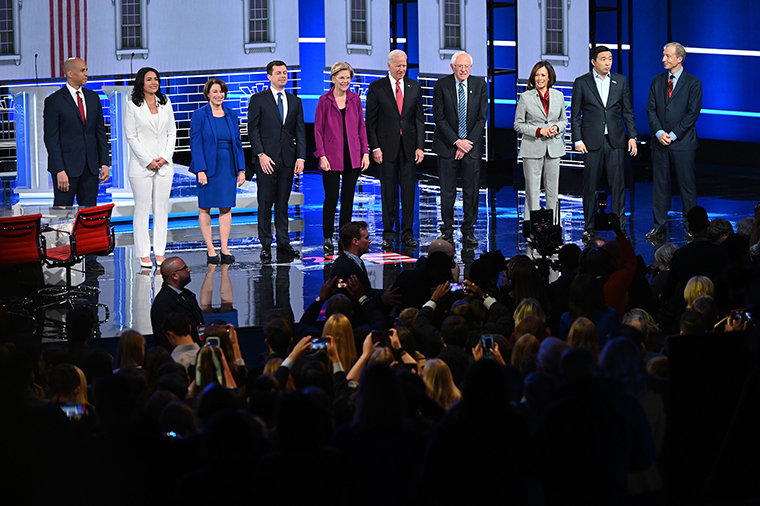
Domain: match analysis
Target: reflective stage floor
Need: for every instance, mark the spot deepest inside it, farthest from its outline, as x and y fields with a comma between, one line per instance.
x=244, y=293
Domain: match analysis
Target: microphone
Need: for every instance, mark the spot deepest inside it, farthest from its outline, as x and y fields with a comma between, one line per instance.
x=130, y=63
x=36, y=77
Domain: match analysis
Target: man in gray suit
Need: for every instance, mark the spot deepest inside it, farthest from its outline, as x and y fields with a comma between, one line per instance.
x=460, y=109
x=600, y=107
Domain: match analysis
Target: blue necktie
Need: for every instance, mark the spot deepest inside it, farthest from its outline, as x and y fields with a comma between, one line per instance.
x=462, y=113
x=279, y=106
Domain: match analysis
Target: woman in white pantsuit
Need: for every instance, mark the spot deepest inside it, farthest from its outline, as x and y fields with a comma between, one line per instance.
x=151, y=134
x=541, y=119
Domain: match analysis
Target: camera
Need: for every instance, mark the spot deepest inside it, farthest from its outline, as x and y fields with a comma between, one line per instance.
x=544, y=234
x=602, y=219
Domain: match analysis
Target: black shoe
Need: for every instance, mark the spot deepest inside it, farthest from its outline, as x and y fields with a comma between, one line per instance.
x=94, y=267
x=328, y=249
x=655, y=234
x=447, y=236
x=387, y=245
x=266, y=254
x=286, y=250
x=410, y=243
x=468, y=239
x=212, y=259
x=227, y=259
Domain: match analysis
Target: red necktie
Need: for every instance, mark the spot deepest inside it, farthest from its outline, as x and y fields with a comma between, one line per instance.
x=670, y=87
x=81, y=106
x=399, y=100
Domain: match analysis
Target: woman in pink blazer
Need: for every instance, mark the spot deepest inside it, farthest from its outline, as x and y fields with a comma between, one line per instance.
x=341, y=148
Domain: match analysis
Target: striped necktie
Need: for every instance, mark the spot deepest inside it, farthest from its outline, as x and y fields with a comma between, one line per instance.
x=462, y=113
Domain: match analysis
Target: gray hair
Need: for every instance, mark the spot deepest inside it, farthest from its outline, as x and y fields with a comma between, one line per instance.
x=456, y=55
x=680, y=50
x=664, y=254
x=396, y=53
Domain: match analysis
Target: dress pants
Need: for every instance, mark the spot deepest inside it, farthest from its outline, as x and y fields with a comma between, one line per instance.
x=394, y=173
x=610, y=161
x=447, y=177
x=274, y=190
x=533, y=169
x=150, y=191
x=682, y=163
x=331, y=181
x=84, y=187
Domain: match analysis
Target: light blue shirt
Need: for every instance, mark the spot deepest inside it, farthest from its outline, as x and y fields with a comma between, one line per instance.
x=603, y=86
x=676, y=77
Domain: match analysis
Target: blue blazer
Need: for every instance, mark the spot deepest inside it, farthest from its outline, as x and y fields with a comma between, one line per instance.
x=68, y=141
x=203, y=141
x=679, y=114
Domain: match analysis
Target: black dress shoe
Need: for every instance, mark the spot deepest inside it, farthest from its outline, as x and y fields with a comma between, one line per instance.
x=328, y=248
x=387, y=245
x=287, y=250
x=447, y=236
x=410, y=243
x=227, y=259
x=266, y=254
x=94, y=267
x=212, y=259
x=468, y=239
x=654, y=234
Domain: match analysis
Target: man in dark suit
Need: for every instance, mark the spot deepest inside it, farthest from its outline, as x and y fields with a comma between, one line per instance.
x=396, y=134
x=76, y=142
x=174, y=298
x=75, y=138
x=600, y=107
x=675, y=99
x=278, y=142
x=460, y=109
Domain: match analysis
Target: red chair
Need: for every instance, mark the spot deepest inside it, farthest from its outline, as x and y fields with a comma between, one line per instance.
x=92, y=235
x=20, y=240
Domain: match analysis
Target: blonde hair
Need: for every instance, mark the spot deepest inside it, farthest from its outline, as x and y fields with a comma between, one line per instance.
x=439, y=383
x=81, y=397
x=272, y=365
x=340, y=66
x=697, y=286
x=583, y=334
x=130, y=349
x=524, y=346
x=209, y=369
x=528, y=307
x=342, y=332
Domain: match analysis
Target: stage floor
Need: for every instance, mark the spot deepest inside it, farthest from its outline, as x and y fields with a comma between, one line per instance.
x=245, y=292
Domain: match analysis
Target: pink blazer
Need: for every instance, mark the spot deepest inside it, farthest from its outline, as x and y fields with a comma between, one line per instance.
x=328, y=130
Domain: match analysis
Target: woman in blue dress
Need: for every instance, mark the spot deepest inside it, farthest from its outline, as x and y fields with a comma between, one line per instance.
x=219, y=164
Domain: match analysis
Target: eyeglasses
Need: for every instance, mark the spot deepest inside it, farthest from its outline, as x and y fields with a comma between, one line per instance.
x=181, y=269
x=462, y=67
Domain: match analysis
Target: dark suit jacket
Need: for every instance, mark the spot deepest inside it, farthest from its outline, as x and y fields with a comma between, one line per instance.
x=700, y=257
x=68, y=141
x=343, y=268
x=267, y=134
x=446, y=115
x=168, y=301
x=679, y=114
x=203, y=140
x=384, y=121
x=588, y=115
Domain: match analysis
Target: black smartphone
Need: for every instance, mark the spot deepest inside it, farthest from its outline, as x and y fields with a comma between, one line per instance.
x=380, y=337
x=487, y=341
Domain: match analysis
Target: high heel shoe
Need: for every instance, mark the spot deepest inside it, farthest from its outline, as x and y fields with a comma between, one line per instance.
x=212, y=259
x=159, y=263
x=228, y=259
x=146, y=265
x=328, y=248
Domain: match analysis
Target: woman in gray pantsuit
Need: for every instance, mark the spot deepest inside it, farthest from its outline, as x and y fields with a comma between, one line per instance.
x=541, y=119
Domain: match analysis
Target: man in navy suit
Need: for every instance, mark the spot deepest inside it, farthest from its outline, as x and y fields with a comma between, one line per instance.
x=396, y=134
x=75, y=138
x=278, y=142
x=458, y=142
x=600, y=107
x=675, y=100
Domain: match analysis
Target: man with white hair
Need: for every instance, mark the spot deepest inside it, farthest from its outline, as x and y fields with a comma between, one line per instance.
x=460, y=109
x=396, y=135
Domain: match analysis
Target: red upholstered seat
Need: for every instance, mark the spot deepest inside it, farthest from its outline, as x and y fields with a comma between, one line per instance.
x=20, y=240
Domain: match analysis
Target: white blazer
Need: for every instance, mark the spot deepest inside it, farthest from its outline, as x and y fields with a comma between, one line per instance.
x=148, y=141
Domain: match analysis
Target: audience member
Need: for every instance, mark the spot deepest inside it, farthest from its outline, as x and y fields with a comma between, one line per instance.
x=583, y=334
x=179, y=333
x=174, y=298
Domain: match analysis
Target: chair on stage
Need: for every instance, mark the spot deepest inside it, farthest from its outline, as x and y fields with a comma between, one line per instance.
x=92, y=234
x=21, y=246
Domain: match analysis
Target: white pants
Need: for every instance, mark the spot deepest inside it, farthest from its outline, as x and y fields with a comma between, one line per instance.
x=153, y=190
x=533, y=168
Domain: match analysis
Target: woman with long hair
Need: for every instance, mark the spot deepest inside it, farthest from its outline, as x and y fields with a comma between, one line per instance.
x=583, y=334
x=130, y=350
x=342, y=332
x=439, y=383
x=151, y=134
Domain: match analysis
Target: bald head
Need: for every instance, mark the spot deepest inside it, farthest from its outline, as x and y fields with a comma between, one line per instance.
x=75, y=70
x=441, y=245
x=175, y=272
